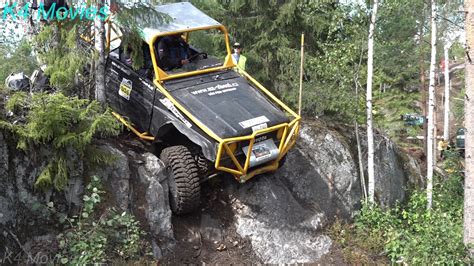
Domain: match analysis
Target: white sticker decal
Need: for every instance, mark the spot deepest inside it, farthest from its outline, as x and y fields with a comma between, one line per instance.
x=259, y=127
x=254, y=121
x=218, y=89
x=166, y=102
x=261, y=151
x=125, y=88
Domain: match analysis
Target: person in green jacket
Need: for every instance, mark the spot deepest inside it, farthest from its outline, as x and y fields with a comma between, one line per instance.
x=238, y=58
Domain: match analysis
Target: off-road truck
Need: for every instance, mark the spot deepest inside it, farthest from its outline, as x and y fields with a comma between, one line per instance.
x=205, y=118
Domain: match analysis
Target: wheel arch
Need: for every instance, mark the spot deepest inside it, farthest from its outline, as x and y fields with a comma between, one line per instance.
x=174, y=133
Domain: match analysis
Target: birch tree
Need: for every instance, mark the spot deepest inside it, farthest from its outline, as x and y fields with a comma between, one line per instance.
x=370, y=132
x=431, y=106
x=99, y=39
x=469, y=124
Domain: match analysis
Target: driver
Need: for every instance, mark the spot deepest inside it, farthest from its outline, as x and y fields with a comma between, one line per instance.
x=173, y=52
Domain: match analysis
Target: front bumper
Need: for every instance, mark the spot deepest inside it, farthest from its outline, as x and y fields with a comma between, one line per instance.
x=241, y=169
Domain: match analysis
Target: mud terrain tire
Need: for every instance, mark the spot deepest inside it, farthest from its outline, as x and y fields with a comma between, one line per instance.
x=185, y=192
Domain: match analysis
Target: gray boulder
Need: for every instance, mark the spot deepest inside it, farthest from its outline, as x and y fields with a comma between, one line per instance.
x=326, y=161
x=395, y=170
x=152, y=178
x=116, y=175
x=281, y=228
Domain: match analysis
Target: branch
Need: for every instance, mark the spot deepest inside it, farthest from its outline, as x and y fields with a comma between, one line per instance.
x=452, y=22
x=467, y=55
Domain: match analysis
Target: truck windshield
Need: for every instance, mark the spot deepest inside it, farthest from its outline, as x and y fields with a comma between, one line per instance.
x=191, y=51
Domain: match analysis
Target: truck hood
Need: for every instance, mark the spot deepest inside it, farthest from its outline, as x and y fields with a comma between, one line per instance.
x=226, y=103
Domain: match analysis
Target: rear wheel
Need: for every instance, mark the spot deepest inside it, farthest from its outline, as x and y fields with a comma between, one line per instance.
x=185, y=191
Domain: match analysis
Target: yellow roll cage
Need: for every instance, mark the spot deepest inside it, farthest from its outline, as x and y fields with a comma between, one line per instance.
x=287, y=132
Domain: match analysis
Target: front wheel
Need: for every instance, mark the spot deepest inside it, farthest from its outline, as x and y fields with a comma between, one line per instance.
x=185, y=191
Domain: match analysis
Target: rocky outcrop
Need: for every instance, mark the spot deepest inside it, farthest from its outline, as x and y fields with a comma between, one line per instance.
x=281, y=215
x=23, y=209
x=7, y=212
x=138, y=183
x=24, y=213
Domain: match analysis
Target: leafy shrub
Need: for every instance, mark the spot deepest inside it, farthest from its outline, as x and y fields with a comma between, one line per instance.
x=413, y=234
x=95, y=237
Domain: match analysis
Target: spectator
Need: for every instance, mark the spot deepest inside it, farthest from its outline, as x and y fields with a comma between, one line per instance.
x=238, y=58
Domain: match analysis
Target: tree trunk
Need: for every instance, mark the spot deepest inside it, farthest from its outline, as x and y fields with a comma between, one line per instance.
x=469, y=133
x=424, y=103
x=423, y=91
x=100, y=63
x=431, y=108
x=370, y=132
x=446, y=93
x=361, y=163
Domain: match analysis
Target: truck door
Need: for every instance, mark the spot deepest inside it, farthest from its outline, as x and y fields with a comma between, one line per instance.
x=128, y=93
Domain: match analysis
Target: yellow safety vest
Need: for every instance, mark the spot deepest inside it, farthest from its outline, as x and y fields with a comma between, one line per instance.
x=241, y=63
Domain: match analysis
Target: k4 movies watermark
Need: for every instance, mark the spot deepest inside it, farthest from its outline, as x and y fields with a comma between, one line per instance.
x=15, y=11
x=10, y=257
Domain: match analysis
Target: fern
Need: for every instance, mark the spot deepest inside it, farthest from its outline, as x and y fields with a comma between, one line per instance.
x=16, y=102
x=61, y=177
x=97, y=156
x=45, y=179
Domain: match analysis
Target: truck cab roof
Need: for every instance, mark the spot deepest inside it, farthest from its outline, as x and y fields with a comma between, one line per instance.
x=176, y=17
